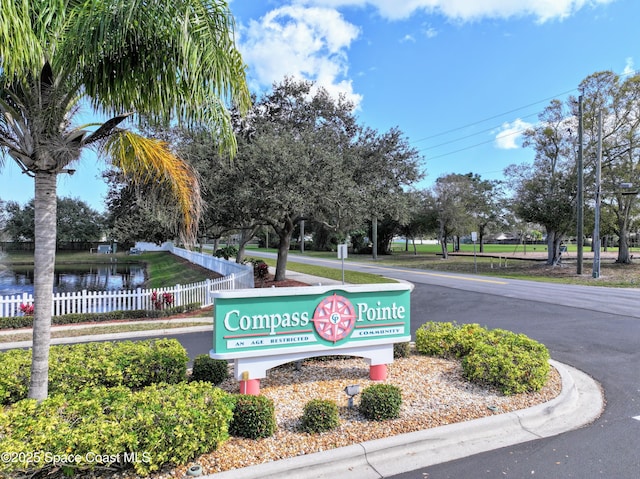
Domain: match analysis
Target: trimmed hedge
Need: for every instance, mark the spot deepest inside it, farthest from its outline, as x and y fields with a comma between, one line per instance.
x=15, y=322
x=380, y=402
x=115, y=427
x=78, y=366
x=319, y=415
x=208, y=369
x=254, y=417
x=446, y=340
x=510, y=362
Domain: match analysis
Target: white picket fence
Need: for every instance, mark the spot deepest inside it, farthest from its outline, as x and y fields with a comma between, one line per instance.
x=126, y=300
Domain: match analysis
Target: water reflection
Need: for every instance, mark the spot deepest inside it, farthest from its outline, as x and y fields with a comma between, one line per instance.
x=69, y=278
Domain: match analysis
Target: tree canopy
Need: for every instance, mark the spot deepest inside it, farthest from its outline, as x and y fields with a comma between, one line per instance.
x=76, y=221
x=303, y=156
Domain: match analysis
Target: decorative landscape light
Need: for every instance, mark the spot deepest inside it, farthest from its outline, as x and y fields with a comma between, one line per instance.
x=352, y=391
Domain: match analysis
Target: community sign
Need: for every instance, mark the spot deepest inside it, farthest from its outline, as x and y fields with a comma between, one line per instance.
x=263, y=322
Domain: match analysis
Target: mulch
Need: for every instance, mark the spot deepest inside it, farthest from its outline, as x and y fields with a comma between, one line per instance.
x=269, y=282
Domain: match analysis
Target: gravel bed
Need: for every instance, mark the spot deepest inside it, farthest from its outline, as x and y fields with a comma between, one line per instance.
x=433, y=394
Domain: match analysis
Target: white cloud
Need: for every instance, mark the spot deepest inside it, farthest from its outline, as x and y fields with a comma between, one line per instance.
x=509, y=133
x=467, y=10
x=294, y=41
x=629, y=69
x=430, y=32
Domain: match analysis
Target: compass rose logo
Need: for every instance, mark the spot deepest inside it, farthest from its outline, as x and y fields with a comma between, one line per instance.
x=334, y=318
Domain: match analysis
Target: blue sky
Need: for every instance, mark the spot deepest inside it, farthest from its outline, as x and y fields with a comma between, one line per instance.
x=460, y=78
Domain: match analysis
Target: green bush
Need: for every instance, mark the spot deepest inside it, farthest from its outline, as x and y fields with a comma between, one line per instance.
x=100, y=427
x=435, y=339
x=14, y=382
x=319, y=415
x=510, y=362
x=447, y=340
x=27, y=321
x=380, y=402
x=75, y=367
x=208, y=369
x=253, y=417
x=226, y=252
x=401, y=350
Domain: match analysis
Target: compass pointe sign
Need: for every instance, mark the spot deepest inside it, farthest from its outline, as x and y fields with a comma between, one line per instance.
x=285, y=324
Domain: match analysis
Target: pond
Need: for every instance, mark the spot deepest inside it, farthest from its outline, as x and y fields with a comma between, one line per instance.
x=18, y=279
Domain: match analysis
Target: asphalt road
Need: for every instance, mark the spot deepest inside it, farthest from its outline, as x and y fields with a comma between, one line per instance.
x=596, y=330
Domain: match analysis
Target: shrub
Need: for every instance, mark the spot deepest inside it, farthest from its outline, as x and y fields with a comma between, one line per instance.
x=14, y=382
x=253, y=417
x=447, y=339
x=319, y=415
x=513, y=363
x=226, y=252
x=100, y=427
x=510, y=362
x=380, y=402
x=208, y=369
x=435, y=339
x=260, y=269
x=401, y=350
x=75, y=367
x=161, y=301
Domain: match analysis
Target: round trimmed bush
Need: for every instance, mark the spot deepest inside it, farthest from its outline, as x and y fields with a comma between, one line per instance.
x=380, y=402
x=254, y=417
x=320, y=415
x=208, y=369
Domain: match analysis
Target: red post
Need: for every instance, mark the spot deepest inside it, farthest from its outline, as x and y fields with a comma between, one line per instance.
x=250, y=386
x=378, y=372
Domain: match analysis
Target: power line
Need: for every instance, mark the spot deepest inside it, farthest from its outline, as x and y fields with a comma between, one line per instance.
x=494, y=116
x=516, y=132
x=469, y=136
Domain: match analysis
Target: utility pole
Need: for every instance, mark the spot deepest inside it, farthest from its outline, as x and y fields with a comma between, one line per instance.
x=580, y=199
x=596, y=228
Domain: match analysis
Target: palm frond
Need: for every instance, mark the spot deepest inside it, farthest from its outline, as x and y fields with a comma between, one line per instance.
x=106, y=128
x=150, y=162
x=181, y=53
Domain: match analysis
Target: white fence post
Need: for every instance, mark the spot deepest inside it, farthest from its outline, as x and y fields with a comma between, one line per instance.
x=177, y=297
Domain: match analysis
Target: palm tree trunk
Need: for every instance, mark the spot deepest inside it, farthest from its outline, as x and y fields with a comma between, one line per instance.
x=44, y=262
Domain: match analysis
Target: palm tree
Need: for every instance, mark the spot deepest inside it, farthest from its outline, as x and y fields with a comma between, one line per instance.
x=155, y=60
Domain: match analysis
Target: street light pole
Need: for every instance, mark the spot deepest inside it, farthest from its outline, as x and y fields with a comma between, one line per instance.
x=596, y=228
